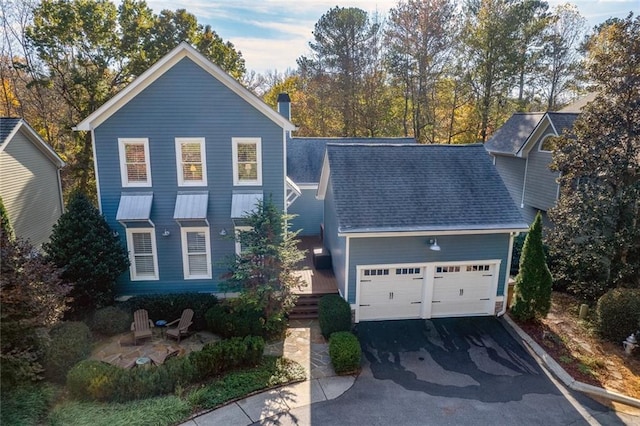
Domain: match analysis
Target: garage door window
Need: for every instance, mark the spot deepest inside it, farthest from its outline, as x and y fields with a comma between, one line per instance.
x=473, y=268
x=445, y=269
x=407, y=271
x=372, y=272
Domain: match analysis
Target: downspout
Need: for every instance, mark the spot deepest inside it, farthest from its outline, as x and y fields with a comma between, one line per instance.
x=506, y=280
x=524, y=181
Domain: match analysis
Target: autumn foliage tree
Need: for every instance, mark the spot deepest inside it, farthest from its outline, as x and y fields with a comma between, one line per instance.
x=532, y=292
x=595, y=243
x=32, y=296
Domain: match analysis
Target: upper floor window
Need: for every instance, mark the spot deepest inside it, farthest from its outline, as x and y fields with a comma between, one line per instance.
x=135, y=169
x=142, y=251
x=247, y=161
x=191, y=162
x=549, y=143
x=196, y=253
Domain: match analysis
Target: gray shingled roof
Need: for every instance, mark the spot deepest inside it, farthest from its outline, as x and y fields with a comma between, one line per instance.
x=305, y=155
x=380, y=188
x=7, y=124
x=562, y=120
x=509, y=138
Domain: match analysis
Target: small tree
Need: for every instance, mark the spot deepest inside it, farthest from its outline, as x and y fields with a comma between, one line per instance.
x=32, y=296
x=532, y=292
x=263, y=271
x=91, y=256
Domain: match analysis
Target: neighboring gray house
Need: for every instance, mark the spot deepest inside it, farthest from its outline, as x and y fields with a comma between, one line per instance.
x=418, y=231
x=522, y=152
x=304, y=164
x=30, y=184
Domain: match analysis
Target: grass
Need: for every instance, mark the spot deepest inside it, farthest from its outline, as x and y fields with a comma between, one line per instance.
x=173, y=409
x=26, y=405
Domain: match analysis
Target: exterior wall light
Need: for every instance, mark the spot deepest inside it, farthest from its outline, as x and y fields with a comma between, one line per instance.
x=434, y=245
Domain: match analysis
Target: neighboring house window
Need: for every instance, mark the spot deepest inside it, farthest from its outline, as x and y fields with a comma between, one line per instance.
x=142, y=252
x=134, y=162
x=196, y=253
x=191, y=162
x=247, y=161
x=549, y=143
x=238, y=230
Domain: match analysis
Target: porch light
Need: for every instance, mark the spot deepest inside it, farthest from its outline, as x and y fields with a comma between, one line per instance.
x=223, y=232
x=166, y=233
x=434, y=245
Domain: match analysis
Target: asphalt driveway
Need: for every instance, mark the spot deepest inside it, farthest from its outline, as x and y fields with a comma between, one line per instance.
x=455, y=371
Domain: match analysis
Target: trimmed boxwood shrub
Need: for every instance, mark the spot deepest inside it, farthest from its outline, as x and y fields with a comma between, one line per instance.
x=169, y=307
x=110, y=321
x=233, y=318
x=618, y=313
x=334, y=314
x=99, y=381
x=70, y=343
x=345, y=352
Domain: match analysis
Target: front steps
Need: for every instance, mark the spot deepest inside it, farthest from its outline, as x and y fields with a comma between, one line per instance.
x=306, y=306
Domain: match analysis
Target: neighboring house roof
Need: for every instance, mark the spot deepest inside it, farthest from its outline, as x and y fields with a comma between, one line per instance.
x=578, y=105
x=183, y=50
x=402, y=188
x=9, y=126
x=562, y=120
x=305, y=155
x=513, y=134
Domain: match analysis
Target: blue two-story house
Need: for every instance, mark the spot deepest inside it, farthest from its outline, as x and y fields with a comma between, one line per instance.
x=182, y=154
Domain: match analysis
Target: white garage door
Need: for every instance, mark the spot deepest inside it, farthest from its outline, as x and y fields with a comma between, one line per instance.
x=390, y=293
x=463, y=290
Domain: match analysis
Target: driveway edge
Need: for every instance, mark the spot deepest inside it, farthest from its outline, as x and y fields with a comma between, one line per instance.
x=561, y=374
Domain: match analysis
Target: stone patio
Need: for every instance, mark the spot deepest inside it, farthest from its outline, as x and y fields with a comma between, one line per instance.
x=303, y=343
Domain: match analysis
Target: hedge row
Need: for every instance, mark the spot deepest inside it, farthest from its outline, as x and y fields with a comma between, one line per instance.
x=345, y=352
x=619, y=314
x=334, y=314
x=95, y=380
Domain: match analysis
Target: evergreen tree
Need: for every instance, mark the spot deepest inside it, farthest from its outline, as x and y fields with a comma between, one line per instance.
x=91, y=256
x=263, y=271
x=5, y=226
x=532, y=292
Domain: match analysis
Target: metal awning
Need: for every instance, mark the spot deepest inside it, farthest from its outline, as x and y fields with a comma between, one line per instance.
x=191, y=206
x=243, y=204
x=135, y=207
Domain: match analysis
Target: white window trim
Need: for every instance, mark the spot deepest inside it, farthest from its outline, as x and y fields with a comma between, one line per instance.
x=185, y=254
x=132, y=268
x=236, y=177
x=203, y=158
x=542, y=142
x=237, y=230
x=123, y=165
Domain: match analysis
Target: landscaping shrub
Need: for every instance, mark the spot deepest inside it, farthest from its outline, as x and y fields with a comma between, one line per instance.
x=618, y=313
x=169, y=307
x=345, y=352
x=110, y=321
x=334, y=314
x=95, y=380
x=70, y=343
x=234, y=319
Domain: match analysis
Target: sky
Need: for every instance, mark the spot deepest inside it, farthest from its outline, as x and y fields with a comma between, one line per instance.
x=272, y=34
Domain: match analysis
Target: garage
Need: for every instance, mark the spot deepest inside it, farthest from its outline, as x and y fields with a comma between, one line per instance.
x=463, y=289
x=390, y=292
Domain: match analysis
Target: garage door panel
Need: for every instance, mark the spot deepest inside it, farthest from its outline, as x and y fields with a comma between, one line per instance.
x=463, y=289
x=390, y=293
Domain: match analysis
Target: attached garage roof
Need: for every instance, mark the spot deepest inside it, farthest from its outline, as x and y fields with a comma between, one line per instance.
x=242, y=203
x=401, y=188
x=134, y=206
x=191, y=206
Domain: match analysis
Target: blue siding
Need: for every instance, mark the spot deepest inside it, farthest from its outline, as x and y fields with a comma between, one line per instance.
x=384, y=250
x=541, y=188
x=335, y=244
x=309, y=213
x=186, y=102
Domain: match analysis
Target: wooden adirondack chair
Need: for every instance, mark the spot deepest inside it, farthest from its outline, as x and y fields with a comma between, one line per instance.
x=183, y=325
x=141, y=325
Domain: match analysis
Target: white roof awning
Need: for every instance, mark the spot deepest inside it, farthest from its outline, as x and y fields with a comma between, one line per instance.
x=243, y=204
x=135, y=207
x=191, y=206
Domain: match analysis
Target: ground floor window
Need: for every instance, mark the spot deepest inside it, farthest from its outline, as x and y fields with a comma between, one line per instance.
x=238, y=230
x=196, y=253
x=143, y=255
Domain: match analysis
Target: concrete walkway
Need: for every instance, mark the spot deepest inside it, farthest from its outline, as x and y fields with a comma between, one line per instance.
x=304, y=344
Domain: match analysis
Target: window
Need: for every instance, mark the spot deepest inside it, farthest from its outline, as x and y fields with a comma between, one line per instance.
x=549, y=144
x=373, y=272
x=408, y=271
x=247, y=161
x=142, y=252
x=447, y=269
x=238, y=230
x=134, y=162
x=191, y=162
x=196, y=254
